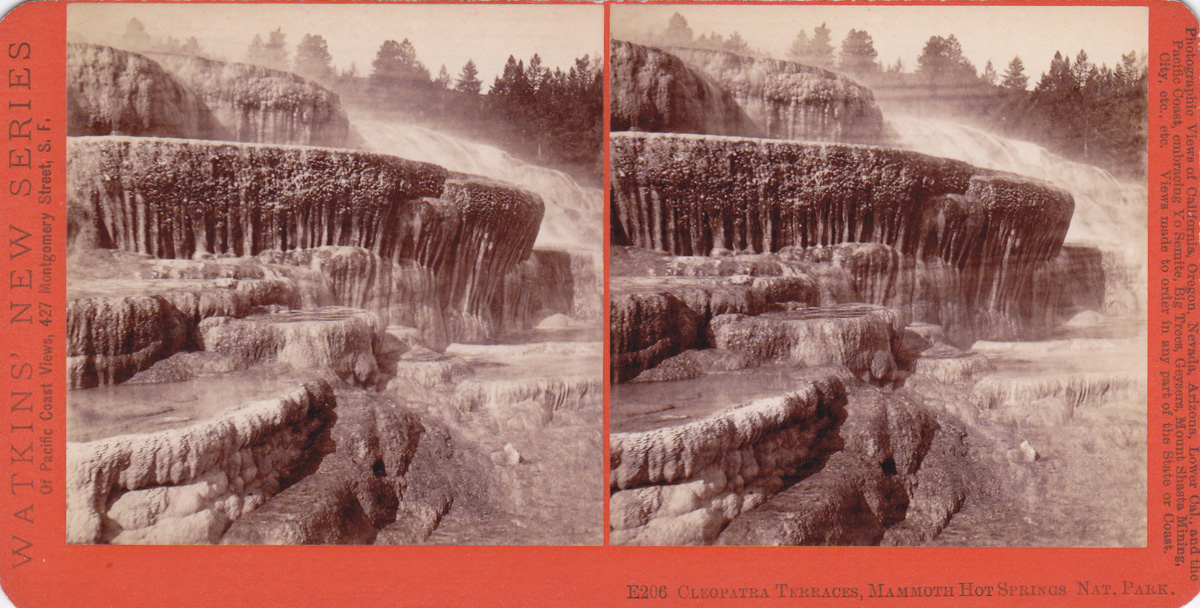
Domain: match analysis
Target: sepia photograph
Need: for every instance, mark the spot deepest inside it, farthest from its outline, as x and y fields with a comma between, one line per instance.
x=878, y=275
x=542, y=303
x=334, y=274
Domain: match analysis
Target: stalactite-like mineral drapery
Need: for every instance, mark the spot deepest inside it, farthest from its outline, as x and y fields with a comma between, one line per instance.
x=691, y=195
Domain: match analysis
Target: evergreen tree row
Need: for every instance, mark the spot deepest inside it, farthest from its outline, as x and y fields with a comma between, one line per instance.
x=1093, y=114
x=552, y=116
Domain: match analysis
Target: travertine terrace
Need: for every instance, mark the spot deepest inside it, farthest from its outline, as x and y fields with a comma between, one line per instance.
x=818, y=338
x=275, y=339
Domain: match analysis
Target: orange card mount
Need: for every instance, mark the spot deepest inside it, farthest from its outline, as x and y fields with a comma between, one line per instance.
x=592, y=303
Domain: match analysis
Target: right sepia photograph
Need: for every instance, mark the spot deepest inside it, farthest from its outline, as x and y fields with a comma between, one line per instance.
x=878, y=275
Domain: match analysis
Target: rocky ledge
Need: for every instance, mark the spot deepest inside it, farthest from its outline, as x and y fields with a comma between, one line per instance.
x=654, y=91
x=115, y=92
x=789, y=100
x=182, y=198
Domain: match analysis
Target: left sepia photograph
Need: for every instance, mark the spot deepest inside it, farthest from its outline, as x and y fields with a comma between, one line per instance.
x=335, y=274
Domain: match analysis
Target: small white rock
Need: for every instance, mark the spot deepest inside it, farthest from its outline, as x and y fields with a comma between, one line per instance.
x=511, y=456
x=1028, y=452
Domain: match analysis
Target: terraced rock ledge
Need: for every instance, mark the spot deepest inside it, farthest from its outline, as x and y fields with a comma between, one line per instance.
x=276, y=343
x=797, y=334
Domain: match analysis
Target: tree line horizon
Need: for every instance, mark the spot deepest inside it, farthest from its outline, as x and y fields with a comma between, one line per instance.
x=549, y=116
x=1088, y=113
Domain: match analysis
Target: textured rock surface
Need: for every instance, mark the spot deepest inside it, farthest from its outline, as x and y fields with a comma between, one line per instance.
x=689, y=195
x=111, y=338
x=929, y=290
x=922, y=257
x=652, y=90
x=114, y=92
x=1074, y=390
x=526, y=386
x=538, y=398
x=949, y=365
x=220, y=272
x=646, y=329
x=536, y=288
x=857, y=336
x=682, y=484
x=883, y=484
x=257, y=104
x=673, y=453
x=791, y=100
x=652, y=319
x=354, y=491
x=243, y=199
x=967, y=242
x=228, y=466
x=401, y=293
x=175, y=198
x=342, y=340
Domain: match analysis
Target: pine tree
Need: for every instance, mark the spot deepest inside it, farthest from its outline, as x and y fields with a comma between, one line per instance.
x=275, y=53
x=1015, y=78
x=192, y=47
x=858, y=53
x=820, y=50
x=443, y=79
x=468, y=79
x=942, y=59
x=313, y=59
x=989, y=73
x=1059, y=82
x=170, y=45
x=799, y=48
x=1058, y=103
x=535, y=73
x=1127, y=71
x=135, y=37
x=1082, y=69
x=257, y=53
x=712, y=41
x=677, y=33
x=736, y=44
x=396, y=63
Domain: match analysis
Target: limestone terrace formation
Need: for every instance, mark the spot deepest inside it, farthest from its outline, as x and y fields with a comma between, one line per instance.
x=179, y=198
x=695, y=195
x=652, y=90
x=258, y=104
x=115, y=92
x=689, y=195
x=790, y=100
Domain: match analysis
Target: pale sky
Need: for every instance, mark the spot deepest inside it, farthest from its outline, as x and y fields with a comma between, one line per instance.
x=985, y=32
x=442, y=34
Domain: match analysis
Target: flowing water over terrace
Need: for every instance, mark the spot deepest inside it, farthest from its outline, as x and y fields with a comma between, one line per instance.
x=1091, y=379
x=1107, y=211
x=555, y=495
x=574, y=214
